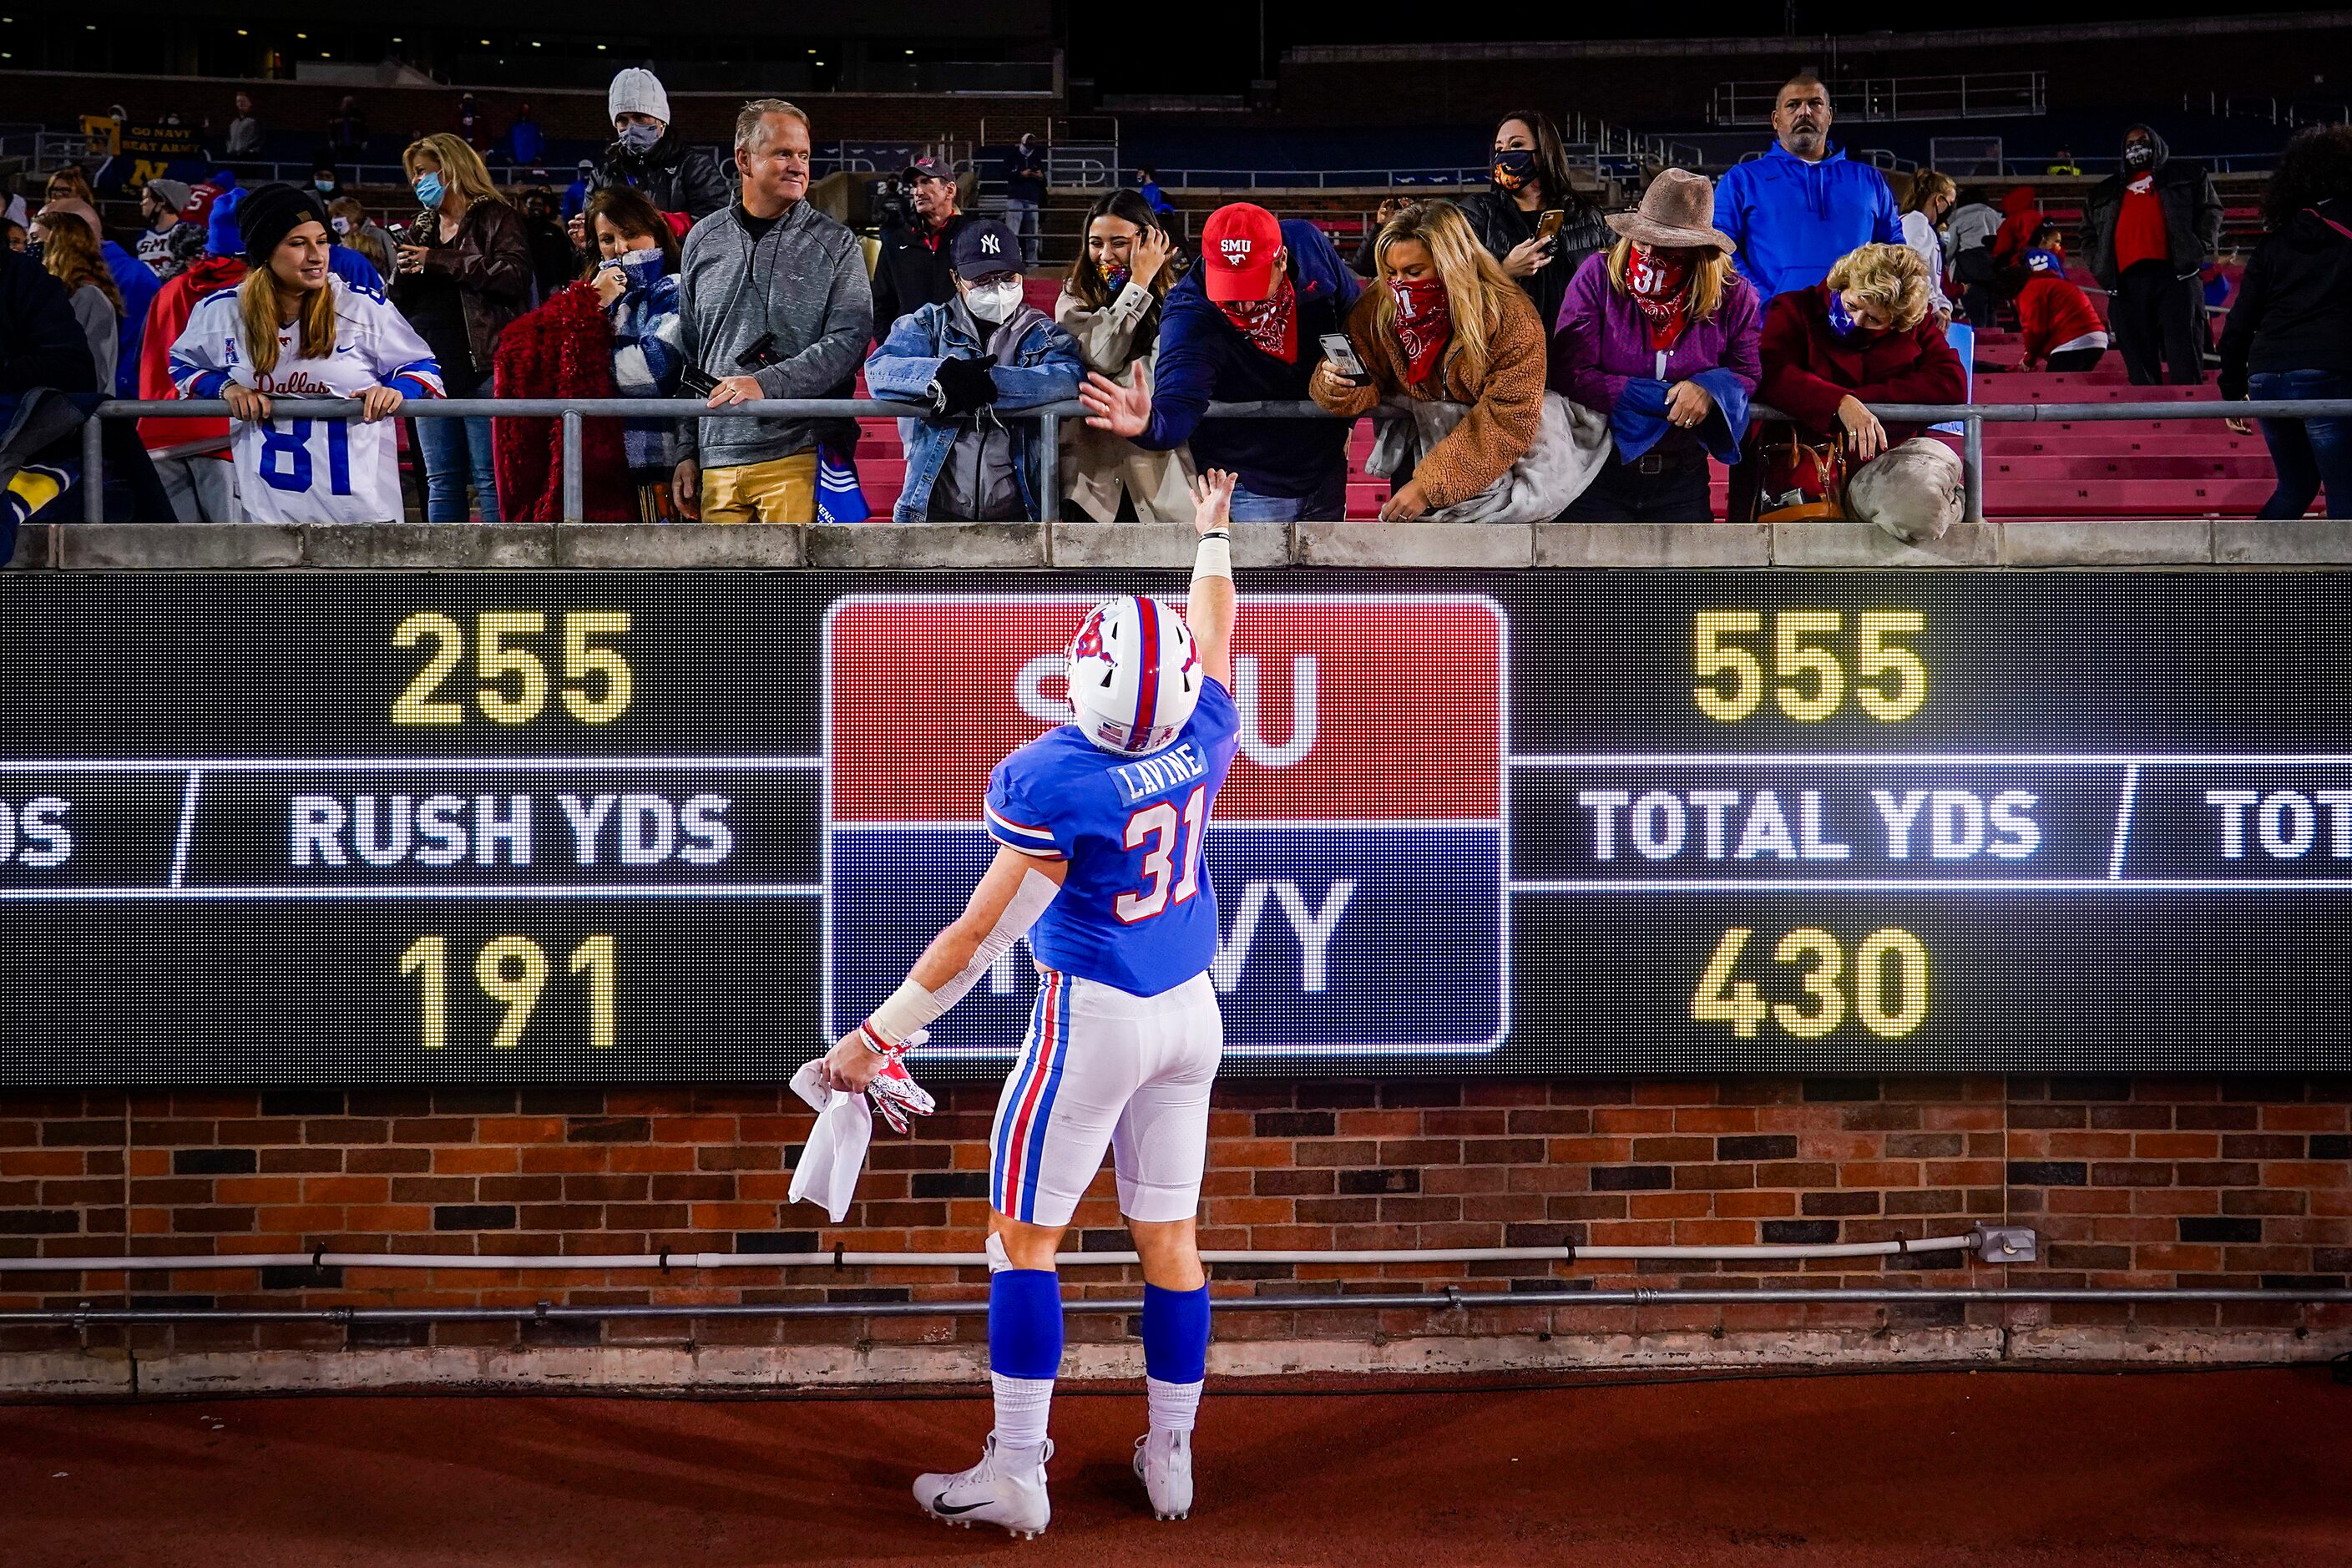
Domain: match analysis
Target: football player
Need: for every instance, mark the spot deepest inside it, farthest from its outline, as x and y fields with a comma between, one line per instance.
x=1099, y=825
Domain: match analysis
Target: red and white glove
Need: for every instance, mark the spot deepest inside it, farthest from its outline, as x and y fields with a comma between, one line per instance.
x=896, y=1094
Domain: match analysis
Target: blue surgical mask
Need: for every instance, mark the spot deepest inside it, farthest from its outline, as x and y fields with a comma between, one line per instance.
x=638, y=136
x=430, y=190
x=323, y=184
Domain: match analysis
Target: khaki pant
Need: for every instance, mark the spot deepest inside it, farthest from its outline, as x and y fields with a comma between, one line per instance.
x=782, y=489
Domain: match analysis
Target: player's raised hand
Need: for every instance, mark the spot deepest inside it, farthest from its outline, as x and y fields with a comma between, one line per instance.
x=379, y=403
x=1213, y=500
x=1123, y=408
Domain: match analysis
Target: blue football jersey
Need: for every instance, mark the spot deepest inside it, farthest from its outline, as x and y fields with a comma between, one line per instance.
x=1136, y=911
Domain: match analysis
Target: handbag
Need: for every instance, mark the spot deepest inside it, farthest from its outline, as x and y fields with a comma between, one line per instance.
x=1798, y=480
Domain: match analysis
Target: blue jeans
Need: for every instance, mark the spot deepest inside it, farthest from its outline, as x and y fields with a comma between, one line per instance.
x=2308, y=453
x=1021, y=217
x=457, y=451
x=1328, y=502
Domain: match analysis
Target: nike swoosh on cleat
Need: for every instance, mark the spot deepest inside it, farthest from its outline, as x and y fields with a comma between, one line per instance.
x=940, y=1505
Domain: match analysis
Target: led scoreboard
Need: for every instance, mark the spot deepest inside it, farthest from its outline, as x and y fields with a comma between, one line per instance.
x=383, y=828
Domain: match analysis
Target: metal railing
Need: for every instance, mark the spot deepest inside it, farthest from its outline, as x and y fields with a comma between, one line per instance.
x=1979, y=96
x=2276, y=112
x=573, y=413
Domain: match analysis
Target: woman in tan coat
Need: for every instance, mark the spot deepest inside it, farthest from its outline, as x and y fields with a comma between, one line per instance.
x=1110, y=305
x=1444, y=324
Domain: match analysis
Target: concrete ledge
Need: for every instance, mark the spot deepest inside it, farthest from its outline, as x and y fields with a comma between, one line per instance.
x=1860, y=544
x=2158, y=541
x=912, y=546
x=1495, y=546
x=1028, y=546
x=464, y=546
x=178, y=546
x=675, y=1367
x=1164, y=544
x=2241, y=541
x=666, y=546
x=1575, y=544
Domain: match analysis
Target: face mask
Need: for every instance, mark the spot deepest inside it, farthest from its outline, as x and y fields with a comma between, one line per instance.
x=639, y=137
x=322, y=185
x=1658, y=283
x=2139, y=155
x=1270, y=326
x=1114, y=277
x=343, y=225
x=430, y=190
x=1424, y=322
x=1842, y=320
x=992, y=302
x=1514, y=168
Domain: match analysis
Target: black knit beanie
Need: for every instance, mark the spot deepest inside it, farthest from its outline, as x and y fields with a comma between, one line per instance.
x=270, y=213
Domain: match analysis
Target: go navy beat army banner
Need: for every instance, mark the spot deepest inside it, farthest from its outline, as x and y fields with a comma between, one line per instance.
x=573, y=826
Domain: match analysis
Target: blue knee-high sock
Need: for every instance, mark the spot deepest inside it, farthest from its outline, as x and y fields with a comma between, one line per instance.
x=1024, y=1352
x=1175, y=1355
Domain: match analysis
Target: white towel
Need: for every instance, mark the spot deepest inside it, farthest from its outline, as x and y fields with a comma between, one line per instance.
x=835, y=1153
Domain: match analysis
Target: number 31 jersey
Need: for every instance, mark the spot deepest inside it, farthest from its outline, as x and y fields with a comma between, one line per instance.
x=311, y=470
x=1136, y=911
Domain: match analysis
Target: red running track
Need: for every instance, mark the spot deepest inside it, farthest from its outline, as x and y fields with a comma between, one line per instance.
x=2220, y=1469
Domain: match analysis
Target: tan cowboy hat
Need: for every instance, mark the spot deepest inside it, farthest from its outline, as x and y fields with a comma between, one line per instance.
x=1677, y=212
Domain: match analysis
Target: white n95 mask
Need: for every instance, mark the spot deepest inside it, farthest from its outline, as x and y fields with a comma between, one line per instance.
x=993, y=302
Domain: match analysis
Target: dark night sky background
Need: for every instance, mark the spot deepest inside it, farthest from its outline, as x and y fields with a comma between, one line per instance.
x=1211, y=46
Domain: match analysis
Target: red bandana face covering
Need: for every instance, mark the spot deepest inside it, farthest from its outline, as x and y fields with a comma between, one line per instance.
x=1658, y=284
x=1270, y=325
x=1424, y=323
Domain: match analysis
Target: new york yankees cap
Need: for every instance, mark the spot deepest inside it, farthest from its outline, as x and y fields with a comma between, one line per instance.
x=982, y=249
x=1238, y=245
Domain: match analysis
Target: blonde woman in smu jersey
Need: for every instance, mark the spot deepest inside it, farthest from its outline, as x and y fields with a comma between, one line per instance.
x=292, y=329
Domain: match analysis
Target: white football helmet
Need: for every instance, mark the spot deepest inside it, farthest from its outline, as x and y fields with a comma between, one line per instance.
x=1134, y=675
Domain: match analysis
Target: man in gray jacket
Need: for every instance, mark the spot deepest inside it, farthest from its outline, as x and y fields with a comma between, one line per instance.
x=774, y=302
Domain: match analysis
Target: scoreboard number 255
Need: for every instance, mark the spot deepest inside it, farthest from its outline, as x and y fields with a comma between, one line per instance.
x=512, y=672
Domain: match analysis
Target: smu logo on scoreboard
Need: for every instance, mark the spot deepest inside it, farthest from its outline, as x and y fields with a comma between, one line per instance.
x=1357, y=852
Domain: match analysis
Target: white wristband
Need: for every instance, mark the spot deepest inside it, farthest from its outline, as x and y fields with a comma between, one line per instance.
x=907, y=1010
x=1213, y=559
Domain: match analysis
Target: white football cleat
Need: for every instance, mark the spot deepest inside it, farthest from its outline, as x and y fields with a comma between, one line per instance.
x=993, y=1491
x=1164, y=1462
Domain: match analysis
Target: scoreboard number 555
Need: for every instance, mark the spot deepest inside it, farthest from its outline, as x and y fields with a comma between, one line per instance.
x=1811, y=670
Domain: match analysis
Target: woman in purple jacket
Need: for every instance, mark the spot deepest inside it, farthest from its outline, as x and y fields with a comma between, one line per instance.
x=1659, y=333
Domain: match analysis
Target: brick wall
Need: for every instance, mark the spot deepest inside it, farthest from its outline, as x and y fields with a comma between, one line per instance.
x=2143, y=1181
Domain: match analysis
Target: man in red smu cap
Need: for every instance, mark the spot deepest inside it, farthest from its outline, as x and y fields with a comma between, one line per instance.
x=1245, y=326
x=1241, y=247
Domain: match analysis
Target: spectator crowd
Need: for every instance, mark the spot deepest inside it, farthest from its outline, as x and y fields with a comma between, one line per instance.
x=1534, y=356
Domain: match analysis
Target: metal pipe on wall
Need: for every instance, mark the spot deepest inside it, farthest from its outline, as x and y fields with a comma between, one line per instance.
x=1453, y=1299
x=843, y=1259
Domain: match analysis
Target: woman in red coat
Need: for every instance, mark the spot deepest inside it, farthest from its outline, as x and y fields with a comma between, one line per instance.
x=1864, y=337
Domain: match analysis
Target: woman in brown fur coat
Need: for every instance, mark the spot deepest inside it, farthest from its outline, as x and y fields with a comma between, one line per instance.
x=1444, y=324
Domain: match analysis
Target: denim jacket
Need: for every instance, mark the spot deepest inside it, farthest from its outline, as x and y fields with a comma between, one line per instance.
x=1037, y=363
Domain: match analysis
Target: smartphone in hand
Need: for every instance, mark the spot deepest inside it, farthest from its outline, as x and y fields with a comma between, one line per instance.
x=1548, y=226
x=1342, y=355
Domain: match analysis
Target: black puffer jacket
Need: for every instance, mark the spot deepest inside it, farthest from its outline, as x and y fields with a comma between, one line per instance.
x=2192, y=212
x=674, y=177
x=2294, y=305
x=1500, y=226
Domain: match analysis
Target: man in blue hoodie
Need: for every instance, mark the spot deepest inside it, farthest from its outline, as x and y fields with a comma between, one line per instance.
x=1803, y=204
x=1245, y=326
